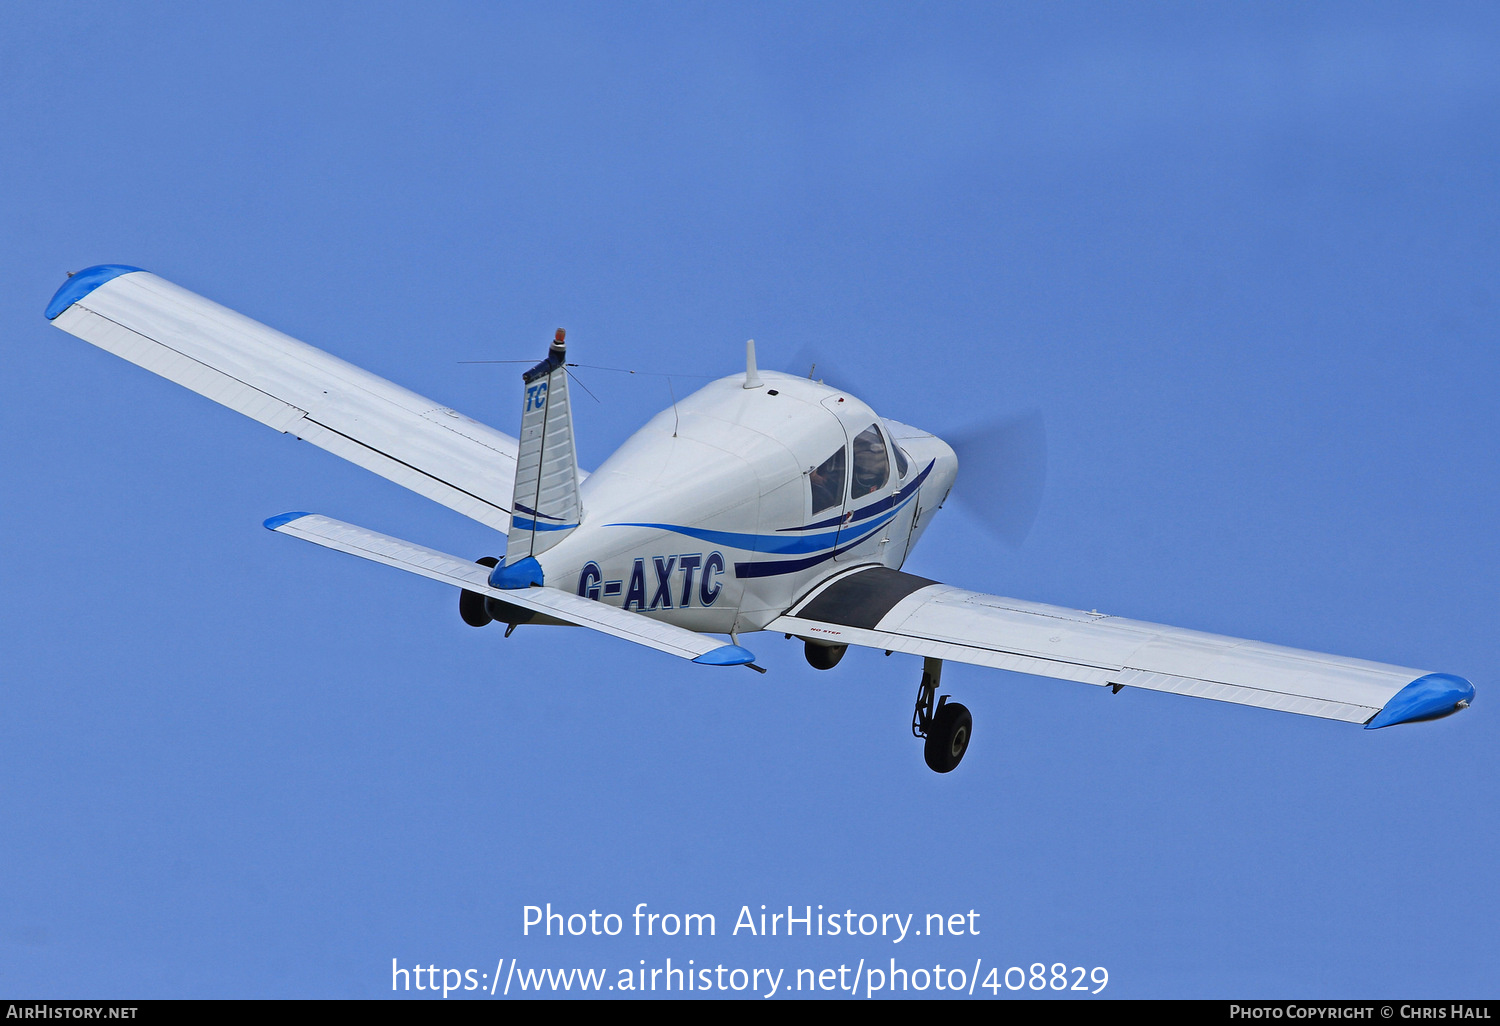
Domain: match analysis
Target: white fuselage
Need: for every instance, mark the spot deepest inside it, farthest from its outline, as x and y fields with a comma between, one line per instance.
x=720, y=513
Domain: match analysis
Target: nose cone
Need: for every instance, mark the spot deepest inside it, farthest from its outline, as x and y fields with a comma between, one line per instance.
x=1426, y=698
x=945, y=471
x=923, y=448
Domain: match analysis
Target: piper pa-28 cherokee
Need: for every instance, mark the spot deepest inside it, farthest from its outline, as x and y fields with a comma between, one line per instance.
x=763, y=502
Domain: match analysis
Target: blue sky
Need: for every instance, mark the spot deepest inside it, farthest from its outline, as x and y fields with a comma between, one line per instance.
x=1242, y=258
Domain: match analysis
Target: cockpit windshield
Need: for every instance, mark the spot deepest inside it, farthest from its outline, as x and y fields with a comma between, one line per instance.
x=872, y=468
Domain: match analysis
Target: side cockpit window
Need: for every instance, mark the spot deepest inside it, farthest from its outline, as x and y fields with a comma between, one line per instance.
x=901, y=465
x=827, y=480
x=872, y=468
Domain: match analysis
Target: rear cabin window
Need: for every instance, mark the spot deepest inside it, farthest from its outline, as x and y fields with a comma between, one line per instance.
x=827, y=480
x=872, y=467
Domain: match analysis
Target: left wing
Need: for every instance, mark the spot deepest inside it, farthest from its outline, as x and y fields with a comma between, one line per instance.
x=292, y=387
x=883, y=608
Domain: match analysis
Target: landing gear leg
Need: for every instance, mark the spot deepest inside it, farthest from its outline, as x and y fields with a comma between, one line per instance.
x=921, y=717
x=946, y=727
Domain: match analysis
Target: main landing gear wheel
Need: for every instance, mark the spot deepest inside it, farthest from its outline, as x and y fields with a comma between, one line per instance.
x=948, y=737
x=471, y=603
x=946, y=728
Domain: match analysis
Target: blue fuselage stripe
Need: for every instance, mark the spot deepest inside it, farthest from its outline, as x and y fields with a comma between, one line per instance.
x=895, y=498
x=771, y=544
x=834, y=542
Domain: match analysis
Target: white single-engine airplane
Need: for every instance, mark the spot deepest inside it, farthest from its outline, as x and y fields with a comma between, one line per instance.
x=763, y=502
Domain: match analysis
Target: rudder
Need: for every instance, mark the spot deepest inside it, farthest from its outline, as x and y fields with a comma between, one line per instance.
x=546, y=502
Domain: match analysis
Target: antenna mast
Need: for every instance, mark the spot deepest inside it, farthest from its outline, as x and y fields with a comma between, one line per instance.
x=752, y=376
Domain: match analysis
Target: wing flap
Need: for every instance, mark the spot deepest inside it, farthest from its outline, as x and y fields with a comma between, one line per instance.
x=952, y=623
x=573, y=609
x=293, y=387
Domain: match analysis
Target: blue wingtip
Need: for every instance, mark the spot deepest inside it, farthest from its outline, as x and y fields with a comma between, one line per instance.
x=278, y=522
x=1426, y=698
x=82, y=283
x=727, y=655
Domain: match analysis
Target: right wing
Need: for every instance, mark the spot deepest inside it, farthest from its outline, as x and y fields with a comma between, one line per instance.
x=550, y=602
x=292, y=387
x=883, y=608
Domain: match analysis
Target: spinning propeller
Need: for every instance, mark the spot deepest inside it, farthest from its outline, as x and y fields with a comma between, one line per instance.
x=1002, y=470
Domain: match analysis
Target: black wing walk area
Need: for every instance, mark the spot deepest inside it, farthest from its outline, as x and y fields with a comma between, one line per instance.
x=862, y=598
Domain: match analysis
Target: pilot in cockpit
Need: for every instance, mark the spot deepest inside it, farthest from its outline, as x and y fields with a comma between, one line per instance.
x=871, y=466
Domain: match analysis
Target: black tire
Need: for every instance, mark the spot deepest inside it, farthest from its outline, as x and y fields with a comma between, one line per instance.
x=471, y=604
x=471, y=608
x=505, y=612
x=821, y=656
x=948, y=737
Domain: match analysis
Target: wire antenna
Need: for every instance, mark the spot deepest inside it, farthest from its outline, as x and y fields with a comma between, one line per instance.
x=581, y=385
x=617, y=370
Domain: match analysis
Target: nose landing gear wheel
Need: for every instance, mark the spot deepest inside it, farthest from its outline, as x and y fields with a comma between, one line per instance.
x=948, y=737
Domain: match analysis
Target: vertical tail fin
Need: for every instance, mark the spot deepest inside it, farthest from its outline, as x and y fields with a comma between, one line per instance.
x=547, y=505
